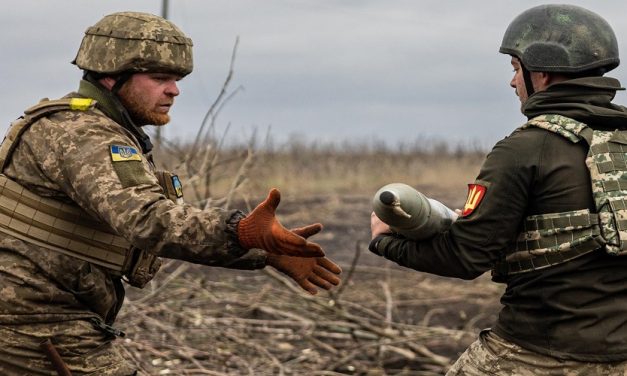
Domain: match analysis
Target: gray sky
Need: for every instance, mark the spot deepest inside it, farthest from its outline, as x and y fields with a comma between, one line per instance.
x=352, y=70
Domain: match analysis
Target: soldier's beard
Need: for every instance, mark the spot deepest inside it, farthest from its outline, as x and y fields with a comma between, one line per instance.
x=139, y=111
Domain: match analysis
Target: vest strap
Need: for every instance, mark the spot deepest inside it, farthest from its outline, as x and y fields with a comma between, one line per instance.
x=503, y=269
x=34, y=113
x=550, y=239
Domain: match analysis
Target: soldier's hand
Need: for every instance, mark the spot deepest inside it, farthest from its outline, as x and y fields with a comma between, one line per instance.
x=261, y=229
x=308, y=272
x=377, y=226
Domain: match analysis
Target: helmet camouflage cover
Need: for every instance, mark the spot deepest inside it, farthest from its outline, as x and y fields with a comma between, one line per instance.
x=135, y=42
x=561, y=38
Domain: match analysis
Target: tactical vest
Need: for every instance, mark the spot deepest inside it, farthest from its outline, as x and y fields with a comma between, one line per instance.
x=66, y=228
x=550, y=239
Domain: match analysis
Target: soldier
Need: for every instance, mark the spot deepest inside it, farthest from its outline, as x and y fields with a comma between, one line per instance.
x=82, y=207
x=547, y=212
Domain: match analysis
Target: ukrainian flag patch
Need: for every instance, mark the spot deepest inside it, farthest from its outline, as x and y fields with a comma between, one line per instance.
x=178, y=187
x=124, y=153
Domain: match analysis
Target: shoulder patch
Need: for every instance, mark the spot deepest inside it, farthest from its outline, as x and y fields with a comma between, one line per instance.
x=121, y=153
x=81, y=104
x=476, y=192
x=178, y=187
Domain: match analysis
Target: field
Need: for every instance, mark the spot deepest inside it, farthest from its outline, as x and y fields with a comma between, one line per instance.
x=382, y=320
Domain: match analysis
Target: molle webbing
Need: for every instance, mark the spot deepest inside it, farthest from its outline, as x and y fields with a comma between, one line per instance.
x=612, y=157
x=607, y=162
x=550, y=239
x=62, y=227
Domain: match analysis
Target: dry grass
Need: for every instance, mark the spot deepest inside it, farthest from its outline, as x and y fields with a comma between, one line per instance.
x=318, y=173
x=310, y=170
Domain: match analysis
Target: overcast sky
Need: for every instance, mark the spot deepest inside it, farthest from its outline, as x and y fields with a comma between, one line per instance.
x=361, y=70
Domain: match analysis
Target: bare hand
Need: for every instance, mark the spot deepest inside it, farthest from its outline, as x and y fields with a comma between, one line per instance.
x=377, y=226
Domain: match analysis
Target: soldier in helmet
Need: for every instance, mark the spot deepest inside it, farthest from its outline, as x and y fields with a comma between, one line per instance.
x=82, y=207
x=547, y=213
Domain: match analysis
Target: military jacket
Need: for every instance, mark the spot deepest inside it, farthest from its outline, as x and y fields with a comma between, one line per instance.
x=70, y=156
x=573, y=310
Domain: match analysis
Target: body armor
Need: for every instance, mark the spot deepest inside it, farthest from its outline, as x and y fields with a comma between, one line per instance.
x=550, y=239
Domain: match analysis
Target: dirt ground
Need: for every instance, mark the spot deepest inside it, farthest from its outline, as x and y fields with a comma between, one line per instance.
x=383, y=319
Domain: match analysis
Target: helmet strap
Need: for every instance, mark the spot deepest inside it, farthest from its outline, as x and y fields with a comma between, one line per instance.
x=120, y=81
x=527, y=78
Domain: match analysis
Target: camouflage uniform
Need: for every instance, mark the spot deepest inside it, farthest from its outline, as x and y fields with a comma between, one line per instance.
x=81, y=207
x=492, y=355
x=67, y=156
x=532, y=219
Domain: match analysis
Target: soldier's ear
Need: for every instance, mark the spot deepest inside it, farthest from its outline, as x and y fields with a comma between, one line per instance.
x=107, y=82
x=542, y=79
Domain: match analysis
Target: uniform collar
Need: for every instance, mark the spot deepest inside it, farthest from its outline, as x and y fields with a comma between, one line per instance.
x=588, y=100
x=111, y=106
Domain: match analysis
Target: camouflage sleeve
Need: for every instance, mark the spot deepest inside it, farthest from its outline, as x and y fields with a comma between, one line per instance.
x=475, y=242
x=98, y=164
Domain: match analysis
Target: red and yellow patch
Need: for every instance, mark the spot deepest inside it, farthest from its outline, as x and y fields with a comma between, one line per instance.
x=476, y=192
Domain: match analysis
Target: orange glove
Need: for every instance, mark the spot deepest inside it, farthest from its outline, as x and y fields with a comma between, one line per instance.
x=261, y=229
x=308, y=272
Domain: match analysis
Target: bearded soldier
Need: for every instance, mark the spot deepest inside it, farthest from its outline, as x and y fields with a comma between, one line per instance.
x=548, y=212
x=82, y=207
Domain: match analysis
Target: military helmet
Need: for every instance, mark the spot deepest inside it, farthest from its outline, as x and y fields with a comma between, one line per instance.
x=561, y=38
x=135, y=42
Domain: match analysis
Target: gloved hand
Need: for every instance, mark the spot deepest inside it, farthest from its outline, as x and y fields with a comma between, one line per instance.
x=308, y=272
x=261, y=229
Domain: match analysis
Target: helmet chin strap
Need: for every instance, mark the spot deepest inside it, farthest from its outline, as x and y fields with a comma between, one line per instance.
x=120, y=81
x=527, y=78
